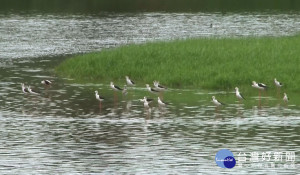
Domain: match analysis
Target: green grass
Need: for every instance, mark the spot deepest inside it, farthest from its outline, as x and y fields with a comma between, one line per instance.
x=209, y=63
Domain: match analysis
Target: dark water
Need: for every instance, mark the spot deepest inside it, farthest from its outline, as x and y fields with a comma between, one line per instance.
x=99, y=6
x=63, y=130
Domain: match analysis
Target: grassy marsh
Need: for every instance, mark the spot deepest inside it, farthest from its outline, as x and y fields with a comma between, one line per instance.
x=208, y=63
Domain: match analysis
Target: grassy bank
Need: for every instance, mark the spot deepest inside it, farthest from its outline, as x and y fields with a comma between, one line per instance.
x=197, y=63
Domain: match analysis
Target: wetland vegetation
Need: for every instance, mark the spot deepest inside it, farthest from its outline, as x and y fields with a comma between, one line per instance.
x=208, y=63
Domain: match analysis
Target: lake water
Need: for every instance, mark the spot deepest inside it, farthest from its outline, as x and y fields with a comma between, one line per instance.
x=36, y=35
x=63, y=130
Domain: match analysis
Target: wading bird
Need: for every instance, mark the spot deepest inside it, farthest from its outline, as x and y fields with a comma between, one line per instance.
x=238, y=94
x=216, y=102
x=285, y=98
x=146, y=103
x=259, y=86
x=99, y=98
x=278, y=85
x=24, y=90
x=149, y=100
x=159, y=88
x=46, y=82
x=32, y=91
x=151, y=89
x=160, y=102
x=129, y=81
x=115, y=88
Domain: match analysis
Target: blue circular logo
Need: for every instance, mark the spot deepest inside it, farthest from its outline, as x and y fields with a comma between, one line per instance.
x=225, y=159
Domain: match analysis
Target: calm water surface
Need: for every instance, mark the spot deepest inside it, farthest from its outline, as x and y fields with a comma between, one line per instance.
x=63, y=130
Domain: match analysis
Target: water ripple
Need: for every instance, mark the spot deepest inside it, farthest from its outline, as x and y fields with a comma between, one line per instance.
x=34, y=35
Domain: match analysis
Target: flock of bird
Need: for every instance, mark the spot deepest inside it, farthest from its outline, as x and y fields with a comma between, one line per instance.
x=28, y=89
x=259, y=86
x=158, y=89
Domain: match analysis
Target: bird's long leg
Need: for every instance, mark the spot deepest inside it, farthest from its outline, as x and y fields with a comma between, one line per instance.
x=217, y=110
x=100, y=106
x=259, y=103
x=124, y=96
x=285, y=103
x=147, y=113
x=115, y=96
